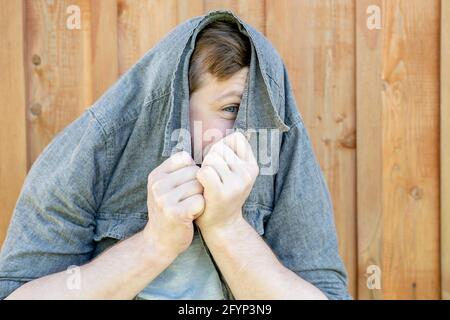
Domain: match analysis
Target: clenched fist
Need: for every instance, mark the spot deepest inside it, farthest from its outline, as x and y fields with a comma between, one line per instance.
x=228, y=173
x=174, y=200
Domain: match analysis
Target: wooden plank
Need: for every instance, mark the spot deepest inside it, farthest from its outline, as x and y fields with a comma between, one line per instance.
x=187, y=9
x=369, y=149
x=58, y=69
x=141, y=24
x=398, y=149
x=316, y=41
x=445, y=149
x=12, y=101
x=104, y=46
x=251, y=11
x=67, y=69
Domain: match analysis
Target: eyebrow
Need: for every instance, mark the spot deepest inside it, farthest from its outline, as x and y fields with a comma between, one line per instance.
x=231, y=93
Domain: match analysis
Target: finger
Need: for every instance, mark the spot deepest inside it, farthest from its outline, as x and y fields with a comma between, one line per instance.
x=187, y=189
x=209, y=178
x=193, y=206
x=177, y=161
x=175, y=178
x=232, y=160
x=183, y=175
x=215, y=161
x=239, y=144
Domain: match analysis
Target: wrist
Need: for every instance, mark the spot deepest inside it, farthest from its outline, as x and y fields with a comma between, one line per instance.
x=226, y=231
x=153, y=250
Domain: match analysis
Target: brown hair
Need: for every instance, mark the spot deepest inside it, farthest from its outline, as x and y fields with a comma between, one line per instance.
x=220, y=49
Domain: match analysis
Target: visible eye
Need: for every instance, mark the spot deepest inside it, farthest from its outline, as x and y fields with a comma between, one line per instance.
x=231, y=108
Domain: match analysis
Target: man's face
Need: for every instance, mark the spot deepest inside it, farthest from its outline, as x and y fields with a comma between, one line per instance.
x=213, y=109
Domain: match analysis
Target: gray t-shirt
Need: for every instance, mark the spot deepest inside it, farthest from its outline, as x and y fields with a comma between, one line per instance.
x=192, y=275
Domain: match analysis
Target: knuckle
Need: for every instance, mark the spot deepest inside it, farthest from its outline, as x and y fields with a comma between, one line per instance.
x=200, y=173
x=199, y=205
x=155, y=187
x=197, y=186
x=184, y=157
x=192, y=169
x=217, y=149
x=212, y=155
x=162, y=201
x=150, y=177
x=206, y=159
x=247, y=177
x=214, y=147
x=158, y=202
x=198, y=200
x=207, y=170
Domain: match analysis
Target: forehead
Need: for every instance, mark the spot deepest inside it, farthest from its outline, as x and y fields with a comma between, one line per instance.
x=222, y=89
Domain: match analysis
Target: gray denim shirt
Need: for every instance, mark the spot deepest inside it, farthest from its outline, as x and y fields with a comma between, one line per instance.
x=88, y=188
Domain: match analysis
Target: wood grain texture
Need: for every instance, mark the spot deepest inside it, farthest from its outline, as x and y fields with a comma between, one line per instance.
x=369, y=149
x=398, y=116
x=141, y=24
x=251, y=11
x=104, y=46
x=445, y=149
x=59, y=87
x=13, y=166
x=316, y=42
x=67, y=69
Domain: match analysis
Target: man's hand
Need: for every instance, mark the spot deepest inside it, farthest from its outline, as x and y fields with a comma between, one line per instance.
x=228, y=173
x=174, y=200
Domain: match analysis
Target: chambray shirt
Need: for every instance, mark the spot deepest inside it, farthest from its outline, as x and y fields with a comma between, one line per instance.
x=88, y=188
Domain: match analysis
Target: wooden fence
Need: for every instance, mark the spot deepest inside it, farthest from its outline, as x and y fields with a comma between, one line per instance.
x=376, y=100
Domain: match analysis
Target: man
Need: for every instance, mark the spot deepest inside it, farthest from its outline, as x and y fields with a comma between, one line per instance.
x=149, y=196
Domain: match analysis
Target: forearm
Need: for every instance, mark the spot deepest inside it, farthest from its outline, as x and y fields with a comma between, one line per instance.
x=250, y=267
x=121, y=272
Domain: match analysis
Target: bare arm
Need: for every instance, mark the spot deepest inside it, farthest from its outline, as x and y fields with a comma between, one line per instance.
x=250, y=267
x=121, y=272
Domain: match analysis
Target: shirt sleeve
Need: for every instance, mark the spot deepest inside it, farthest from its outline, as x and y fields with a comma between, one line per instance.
x=301, y=229
x=53, y=221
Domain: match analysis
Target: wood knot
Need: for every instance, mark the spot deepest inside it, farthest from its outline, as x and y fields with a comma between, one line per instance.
x=349, y=140
x=36, y=60
x=36, y=109
x=416, y=193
